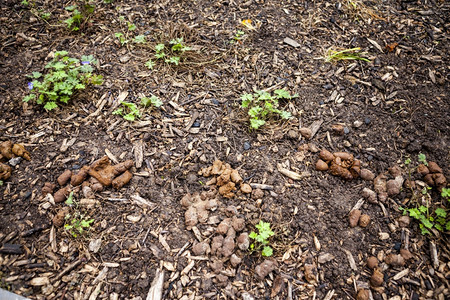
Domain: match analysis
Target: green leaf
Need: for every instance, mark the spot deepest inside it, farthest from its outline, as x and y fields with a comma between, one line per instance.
x=173, y=60
x=426, y=222
x=97, y=79
x=86, y=223
x=407, y=161
x=139, y=39
x=131, y=26
x=159, y=47
x=255, y=123
x=86, y=69
x=118, y=111
x=29, y=97
x=414, y=213
x=253, y=235
x=150, y=64
x=447, y=226
x=153, y=100
x=36, y=75
x=69, y=200
x=282, y=94
x=423, y=159
x=267, y=251
x=160, y=55
x=445, y=193
x=438, y=227
x=246, y=97
x=71, y=7
x=118, y=34
x=423, y=229
x=440, y=212
x=423, y=209
x=285, y=114
x=129, y=117
x=50, y=105
x=254, y=111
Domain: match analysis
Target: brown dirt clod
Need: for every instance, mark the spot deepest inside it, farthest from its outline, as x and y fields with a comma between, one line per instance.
x=246, y=188
x=353, y=217
x=422, y=170
x=5, y=171
x=377, y=278
x=395, y=260
x=434, y=167
x=372, y=262
x=363, y=294
x=64, y=177
x=19, y=150
x=81, y=176
x=367, y=175
x=6, y=149
x=364, y=221
x=326, y=155
x=321, y=165
x=122, y=179
x=61, y=194
x=48, y=188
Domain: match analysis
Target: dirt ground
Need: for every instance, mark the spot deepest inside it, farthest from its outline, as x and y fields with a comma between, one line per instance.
x=382, y=111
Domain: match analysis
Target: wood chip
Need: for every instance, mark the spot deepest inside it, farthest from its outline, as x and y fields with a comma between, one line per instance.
x=111, y=156
x=376, y=45
x=401, y=274
x=163, y=242
x=156, y=290
x=351, y=260
x=291, y=42
x=291, y=174
x=138, y=153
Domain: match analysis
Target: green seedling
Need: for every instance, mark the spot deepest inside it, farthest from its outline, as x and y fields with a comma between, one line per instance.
x=346, y=54
x=152, y=101
x=263, y=106
x=1, y=182
x=173, y=53
x=65, y=77
x=238, y=37
x=150, y=64
x=262, y=238
x=76, y=224
x=140, y=39
x=446, y=193
x=428, y=213
x=78, y=17
x=129, y=111
x=121, y=38
x=423, y=159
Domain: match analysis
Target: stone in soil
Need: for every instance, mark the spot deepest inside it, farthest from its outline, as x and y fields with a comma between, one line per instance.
x=267, y=266
x=364, y=220
x=353, y=217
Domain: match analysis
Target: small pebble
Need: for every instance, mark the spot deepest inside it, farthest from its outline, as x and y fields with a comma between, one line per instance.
x=214, y=100
x=367, y=121
x=369, y=157
x=328, y=86
x=346, y=130
x=397, y=246
x=14, y=161
x=76, y=167
x=247, y=145
x=357, y=123
x=196, y=124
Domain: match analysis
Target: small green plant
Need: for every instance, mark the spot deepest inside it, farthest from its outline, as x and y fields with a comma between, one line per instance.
x=262, y=106
x=130, y=111
x=78, y=17
x=446, y=193
x=429, y=219
x=427, y=212
x=150, y=64
x=121, y=37
x=346, y=54
x=1, y=182
x=76, y=223
x=238, y=37
x=423, y=159
x=65, y=76
x=175, y=51
x=262, y=238
x=152, y=101
x=139, y=39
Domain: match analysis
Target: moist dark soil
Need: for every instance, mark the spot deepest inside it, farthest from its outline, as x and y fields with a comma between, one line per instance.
x=384, y=111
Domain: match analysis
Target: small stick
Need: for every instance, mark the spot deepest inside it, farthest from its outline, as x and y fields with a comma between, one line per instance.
x=68, y=269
